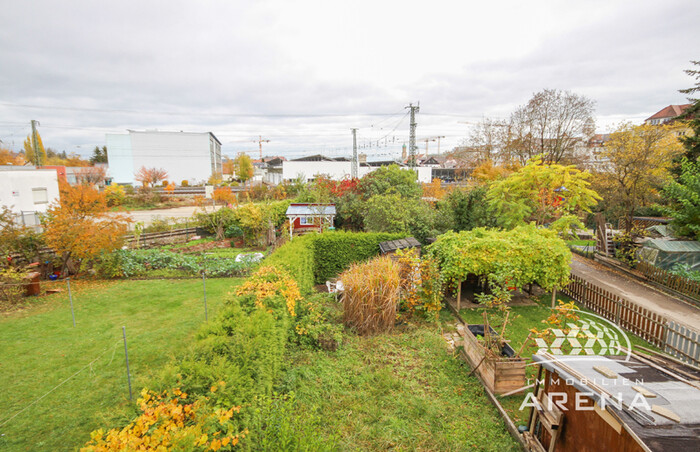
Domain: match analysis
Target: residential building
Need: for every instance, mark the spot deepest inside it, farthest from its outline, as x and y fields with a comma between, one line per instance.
x=190, y=156
x=666, y=115
x=28, y=191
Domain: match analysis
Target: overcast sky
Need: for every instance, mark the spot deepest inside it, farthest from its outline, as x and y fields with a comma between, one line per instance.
x=302, y=73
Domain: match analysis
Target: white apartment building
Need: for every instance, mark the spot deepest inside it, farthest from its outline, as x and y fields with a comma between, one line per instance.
x=28, y=191
x=189, y=156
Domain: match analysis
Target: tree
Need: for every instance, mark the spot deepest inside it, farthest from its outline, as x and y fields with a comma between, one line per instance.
x=243, y=167
x=487, y=140
x=395, y=213
x=151, y=176
x=685, y=196
x=29, y=150
x=228, y=167
x=16, y=238
x=391, y=179
x=99, y=155
x=638, y=162
x=552, y=124
x=470, y=209
x=434, y=190
x=543, y=193
x=91, y=175
x=8, y=157
x=691, y=142
x=79, y=226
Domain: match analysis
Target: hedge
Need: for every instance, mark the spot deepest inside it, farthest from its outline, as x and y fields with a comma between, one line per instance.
x=335, y=251
x=244, y=349
x=297, y=258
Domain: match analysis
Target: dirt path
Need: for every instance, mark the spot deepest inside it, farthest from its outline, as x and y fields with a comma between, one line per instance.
x=632, y=290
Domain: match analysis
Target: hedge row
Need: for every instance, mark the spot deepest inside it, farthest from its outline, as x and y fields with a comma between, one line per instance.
x=297, y=258
x=315, y=258
x=335, y=251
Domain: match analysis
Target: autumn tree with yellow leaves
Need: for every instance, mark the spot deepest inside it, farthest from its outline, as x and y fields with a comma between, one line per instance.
x=638, y=160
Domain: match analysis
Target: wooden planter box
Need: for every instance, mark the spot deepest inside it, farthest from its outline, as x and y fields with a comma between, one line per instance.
x=501, y=374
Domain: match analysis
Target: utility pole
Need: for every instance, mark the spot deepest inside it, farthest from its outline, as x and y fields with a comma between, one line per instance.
x=260, y=141
x=412, y=136
x=354, y=170
x=35, y=144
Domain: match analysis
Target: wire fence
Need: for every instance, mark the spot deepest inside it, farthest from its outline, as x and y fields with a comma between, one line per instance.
x=106, y=366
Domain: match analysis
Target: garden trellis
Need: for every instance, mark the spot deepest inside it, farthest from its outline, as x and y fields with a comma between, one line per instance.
x=513, y=258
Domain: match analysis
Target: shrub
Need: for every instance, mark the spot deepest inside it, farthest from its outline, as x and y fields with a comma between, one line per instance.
x=185, y=183
x=421, y=284
x=266, y=284
x=243, y=349
x=371, y=296
x=335, y=251
x=169, y=421
x=297, y=258
x=115, y=195
x=10, y=286
x=314, y=324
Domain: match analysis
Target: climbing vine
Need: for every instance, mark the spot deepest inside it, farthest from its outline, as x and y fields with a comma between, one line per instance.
x=514, y=258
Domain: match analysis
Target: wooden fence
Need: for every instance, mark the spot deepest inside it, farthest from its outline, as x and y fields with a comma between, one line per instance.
x=676, y=339
x=683, y=343
x=665, y=278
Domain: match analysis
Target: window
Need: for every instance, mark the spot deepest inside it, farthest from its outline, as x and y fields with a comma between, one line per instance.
x=306, y=221
x=40, y=195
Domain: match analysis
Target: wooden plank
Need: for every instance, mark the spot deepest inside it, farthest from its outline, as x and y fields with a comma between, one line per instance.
x=665, y=412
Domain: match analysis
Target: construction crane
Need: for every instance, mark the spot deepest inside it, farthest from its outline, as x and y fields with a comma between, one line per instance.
x=429, y=139
x=260, y=141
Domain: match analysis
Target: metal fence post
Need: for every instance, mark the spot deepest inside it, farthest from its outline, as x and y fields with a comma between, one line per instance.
x=70, y=297
x=204, y=285
x=126, y=354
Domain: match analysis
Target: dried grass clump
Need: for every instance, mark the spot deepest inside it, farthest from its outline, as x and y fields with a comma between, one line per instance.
x=371, y=296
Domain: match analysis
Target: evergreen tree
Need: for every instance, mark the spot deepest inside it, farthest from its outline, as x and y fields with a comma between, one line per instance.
x=691, y=142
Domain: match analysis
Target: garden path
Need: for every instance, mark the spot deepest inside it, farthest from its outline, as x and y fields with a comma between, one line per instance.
x=646, y=296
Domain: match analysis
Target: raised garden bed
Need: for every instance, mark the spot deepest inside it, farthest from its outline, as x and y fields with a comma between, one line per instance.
x=501, y=374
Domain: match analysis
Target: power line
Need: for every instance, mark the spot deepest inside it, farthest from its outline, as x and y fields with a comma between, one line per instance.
x=190, y=113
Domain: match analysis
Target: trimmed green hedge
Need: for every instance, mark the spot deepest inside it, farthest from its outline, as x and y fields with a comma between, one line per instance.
x=243, y=347
x=335, y=251
x=297, y=258
x=315, y=258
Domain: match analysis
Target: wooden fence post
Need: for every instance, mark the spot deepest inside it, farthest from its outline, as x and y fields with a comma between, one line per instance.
x=459, y=296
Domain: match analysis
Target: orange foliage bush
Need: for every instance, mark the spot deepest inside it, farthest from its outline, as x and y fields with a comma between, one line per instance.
x=80, y=227
x=224, y=195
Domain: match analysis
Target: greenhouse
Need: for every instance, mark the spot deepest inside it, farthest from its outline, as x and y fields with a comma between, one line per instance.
x=667, y=253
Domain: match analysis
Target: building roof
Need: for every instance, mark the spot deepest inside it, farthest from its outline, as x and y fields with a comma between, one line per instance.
x=313, y=158
x=673, y=246
x=310, y=209
x=173, y=132
x=393, y=245
x=671, y=392
x=669, y=112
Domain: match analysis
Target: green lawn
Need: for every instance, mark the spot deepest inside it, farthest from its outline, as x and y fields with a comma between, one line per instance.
x=41, y=349
x=399, y=391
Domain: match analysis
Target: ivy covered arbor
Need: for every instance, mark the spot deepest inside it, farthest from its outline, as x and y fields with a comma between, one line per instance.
x=513, y=258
